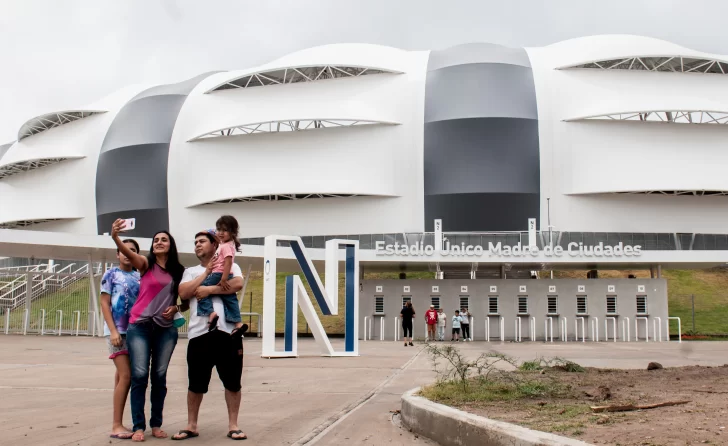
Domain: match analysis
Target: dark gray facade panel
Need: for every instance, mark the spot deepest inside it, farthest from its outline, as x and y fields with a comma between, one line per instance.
x=480, y=91
x=148, y=222
x=486, y=155
x=132, y=178
x=470, y=53
x=149, y=120
x=481, y=212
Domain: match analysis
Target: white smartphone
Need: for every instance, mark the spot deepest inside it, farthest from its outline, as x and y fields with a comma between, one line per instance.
x=129, y=224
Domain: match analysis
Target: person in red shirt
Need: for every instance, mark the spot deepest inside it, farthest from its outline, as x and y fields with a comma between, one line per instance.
x=431, y=319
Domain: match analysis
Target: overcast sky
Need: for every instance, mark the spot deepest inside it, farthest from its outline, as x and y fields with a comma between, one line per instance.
x=58, y=55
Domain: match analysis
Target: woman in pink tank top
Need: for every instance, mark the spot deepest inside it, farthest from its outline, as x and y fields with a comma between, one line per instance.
x=151, y=335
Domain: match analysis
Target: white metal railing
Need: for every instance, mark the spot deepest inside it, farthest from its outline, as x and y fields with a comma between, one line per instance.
x=517, y=336
x=679, y=328
x=614, y=328
x=43, y=278
x=548, y=323
x=564, y=328
x=532, y=329
x=636, y=329
x=583, y=329
x=502, y=326
x=625, y=325
x=657, y=328
x=368, y=333
x=594, y=324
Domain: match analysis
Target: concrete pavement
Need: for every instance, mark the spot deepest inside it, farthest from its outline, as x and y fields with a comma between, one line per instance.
x=57, y=391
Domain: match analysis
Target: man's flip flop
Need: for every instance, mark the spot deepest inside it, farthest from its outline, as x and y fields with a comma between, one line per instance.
x=231, y=433
x=238, y=332
x=189, y=434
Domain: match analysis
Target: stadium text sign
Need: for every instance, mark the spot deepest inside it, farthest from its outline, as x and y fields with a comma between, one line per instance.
x=573, y=249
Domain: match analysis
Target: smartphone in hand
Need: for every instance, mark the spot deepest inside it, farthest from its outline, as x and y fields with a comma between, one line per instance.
x=129, y=224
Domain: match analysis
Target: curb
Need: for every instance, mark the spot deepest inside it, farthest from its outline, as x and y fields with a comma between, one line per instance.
x=452, y=427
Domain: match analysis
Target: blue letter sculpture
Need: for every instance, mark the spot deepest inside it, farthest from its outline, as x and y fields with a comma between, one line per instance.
x=296, y=295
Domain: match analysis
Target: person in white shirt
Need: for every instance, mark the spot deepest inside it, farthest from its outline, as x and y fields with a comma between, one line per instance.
x=465, y=323
x=208, y=349
x=441, y=325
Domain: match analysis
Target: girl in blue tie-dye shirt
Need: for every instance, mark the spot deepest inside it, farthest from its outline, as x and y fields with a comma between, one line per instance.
x=119, y=290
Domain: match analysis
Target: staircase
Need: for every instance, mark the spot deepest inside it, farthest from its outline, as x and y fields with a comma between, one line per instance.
x=14, y=293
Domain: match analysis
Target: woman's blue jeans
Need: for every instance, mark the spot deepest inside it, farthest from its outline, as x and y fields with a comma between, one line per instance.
x=148, y=341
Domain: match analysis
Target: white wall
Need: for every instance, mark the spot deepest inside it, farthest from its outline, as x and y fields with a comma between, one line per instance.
x=582, y=162
x=382, y=161
x=65, y=190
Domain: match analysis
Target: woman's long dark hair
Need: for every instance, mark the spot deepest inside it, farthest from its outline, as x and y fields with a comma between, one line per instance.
x=173, y=266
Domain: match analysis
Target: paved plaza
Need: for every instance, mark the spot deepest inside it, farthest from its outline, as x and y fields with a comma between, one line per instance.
x=57, y=391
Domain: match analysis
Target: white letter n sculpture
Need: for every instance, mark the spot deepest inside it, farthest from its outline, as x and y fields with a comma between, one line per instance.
x=296, y=295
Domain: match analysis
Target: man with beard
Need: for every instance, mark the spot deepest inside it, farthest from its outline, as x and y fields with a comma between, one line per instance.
x=208, y=349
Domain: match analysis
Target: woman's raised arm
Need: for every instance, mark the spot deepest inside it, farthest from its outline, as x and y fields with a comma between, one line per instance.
x=138, y=261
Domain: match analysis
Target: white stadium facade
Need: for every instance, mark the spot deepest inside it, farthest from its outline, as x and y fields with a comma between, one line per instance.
x=612, y=148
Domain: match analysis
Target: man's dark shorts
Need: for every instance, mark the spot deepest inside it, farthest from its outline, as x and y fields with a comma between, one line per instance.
x=214, y=349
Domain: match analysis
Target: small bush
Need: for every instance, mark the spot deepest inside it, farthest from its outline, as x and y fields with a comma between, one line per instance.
x=531, y=366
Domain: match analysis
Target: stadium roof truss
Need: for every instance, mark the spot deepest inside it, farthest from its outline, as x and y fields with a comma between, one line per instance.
x=292, y=75
x=26, y=166
x=698, y=193
x=24, y=223
x=50, y=120
x=279, y=197
x=673, y=116
x=288, y=126
x=676, y=64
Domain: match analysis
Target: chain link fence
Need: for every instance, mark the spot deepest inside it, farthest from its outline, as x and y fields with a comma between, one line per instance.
x=701, y=314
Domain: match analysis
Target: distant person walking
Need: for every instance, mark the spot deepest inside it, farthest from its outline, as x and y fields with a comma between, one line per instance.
x=407, y=314
x=151, y=335
x=431, y=320
x=441, y=325
x=119, y=290
x=465, y=323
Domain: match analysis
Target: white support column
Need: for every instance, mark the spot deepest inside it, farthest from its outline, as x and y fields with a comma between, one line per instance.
x=94, y=296
x=625, y=324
